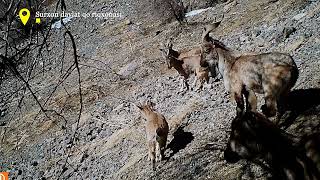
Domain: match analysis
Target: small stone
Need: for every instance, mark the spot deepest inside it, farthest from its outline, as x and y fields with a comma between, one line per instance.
x=128, y=69
x=299, y=16
x=243, y=38
x=287, y=31
x=84, y=156
x=127, y=22
x=3, y=113
x=34, y=163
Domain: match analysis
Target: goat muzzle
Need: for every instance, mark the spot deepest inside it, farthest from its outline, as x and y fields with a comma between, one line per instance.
x=230, y=156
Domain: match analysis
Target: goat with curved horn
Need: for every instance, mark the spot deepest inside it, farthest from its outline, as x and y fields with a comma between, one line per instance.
x=272, y=74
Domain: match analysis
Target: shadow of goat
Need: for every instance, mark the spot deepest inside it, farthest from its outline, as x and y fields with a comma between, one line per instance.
x=301, y=102
x=180, y=140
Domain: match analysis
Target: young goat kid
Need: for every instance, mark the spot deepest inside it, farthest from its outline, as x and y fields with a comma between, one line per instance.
x=272, y=74
x=254, y=136
x=157, y=131
x=186, y=63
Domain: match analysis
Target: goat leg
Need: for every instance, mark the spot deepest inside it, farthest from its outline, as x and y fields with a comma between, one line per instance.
x=269, y=109
x=182, y=84
x=282, y=105
x=186, y=83
x=158, y=153
x=151, y=155
x=240, y=103
x=195, y=83
x=251, y=101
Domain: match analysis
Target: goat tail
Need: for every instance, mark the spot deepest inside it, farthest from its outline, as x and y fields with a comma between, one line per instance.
x=294, y=71
x=294, y=76
x=158, y=134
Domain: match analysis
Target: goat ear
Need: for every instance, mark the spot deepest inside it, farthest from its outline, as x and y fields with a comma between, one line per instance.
x=169, y=43
x=139, y=106
x=216, y=24
x=150, y=104
x=206, y=39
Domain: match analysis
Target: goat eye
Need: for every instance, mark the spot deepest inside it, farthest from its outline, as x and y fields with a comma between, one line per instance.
x=236, y=133
x=207, y=50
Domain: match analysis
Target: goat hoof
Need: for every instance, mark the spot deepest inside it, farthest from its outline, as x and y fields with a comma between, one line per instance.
x=264, y=110
x=277, y=120
x=267, y=112
x=231, y=157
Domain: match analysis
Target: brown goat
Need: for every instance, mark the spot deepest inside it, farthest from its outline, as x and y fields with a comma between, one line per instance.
x=254, y=136
x=272, y=74
x=156, y=130
x=186, y=63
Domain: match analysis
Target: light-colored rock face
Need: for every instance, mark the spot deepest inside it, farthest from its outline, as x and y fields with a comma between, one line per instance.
x=128, y=69
x=200, y=4
x=110, y=142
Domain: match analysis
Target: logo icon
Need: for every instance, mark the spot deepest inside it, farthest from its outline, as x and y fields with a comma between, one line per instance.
x=4, y=176
x=38, y=21
x=24, y=15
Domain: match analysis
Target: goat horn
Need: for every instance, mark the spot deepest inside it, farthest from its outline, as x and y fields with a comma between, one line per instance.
x=207, y=29
x=169, y=43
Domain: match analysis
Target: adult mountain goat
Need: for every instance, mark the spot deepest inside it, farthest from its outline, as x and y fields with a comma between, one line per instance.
x=272, y=74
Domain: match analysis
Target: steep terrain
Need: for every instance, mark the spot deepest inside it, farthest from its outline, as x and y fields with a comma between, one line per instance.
x=121, y=63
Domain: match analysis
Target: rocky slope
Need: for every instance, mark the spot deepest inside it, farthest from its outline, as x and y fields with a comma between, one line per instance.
x=120, y=63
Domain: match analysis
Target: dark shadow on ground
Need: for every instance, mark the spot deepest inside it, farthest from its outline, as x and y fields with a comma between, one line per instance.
x=180, y=140
x=190, y=166
x=301, y=102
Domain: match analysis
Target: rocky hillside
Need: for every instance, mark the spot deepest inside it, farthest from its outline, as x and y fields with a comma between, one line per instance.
x=120, y=63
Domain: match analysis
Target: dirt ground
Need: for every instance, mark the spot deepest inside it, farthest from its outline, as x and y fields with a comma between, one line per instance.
x=120, y=62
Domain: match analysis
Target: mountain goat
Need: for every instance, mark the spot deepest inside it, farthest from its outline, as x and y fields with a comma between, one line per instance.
x=272, y=74
x=156, y=130
x=186, y=63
